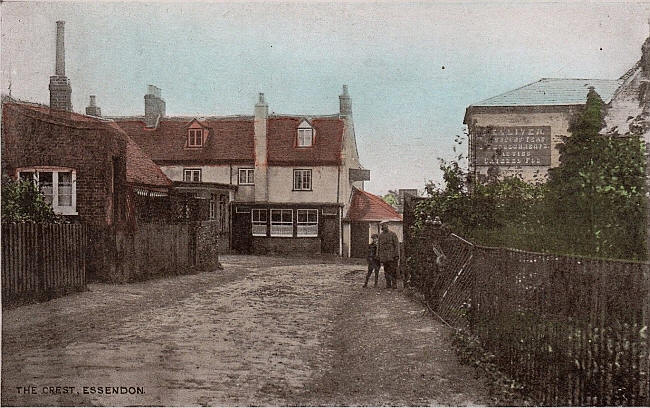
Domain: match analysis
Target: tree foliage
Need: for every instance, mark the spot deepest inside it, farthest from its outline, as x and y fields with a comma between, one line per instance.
x=592, y=204
x=22, y=201
x=391, y=198
x=598, y=190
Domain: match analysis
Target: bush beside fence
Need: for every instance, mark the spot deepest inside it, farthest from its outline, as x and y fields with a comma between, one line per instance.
x=41, y=261
x=573, y=330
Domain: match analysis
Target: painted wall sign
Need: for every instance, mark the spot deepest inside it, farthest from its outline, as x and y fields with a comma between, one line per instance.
x=512, y=145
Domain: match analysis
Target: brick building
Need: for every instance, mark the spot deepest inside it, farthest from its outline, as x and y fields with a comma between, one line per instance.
x=88, y=169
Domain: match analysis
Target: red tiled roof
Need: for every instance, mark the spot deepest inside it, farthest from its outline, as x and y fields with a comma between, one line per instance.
x=369, y=207
x=232, y=140
x=229, y=140
x=327, y=143
x=140, y=169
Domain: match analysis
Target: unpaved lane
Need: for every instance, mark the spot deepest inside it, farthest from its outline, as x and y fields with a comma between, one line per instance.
x=266, y=331
x=388, y=351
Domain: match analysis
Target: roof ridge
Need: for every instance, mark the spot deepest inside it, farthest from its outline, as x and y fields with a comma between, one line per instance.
x=507, y=92
x=579, y=79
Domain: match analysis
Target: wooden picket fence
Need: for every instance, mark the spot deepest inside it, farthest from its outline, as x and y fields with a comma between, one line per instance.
x=42, y=260
x=572, y=330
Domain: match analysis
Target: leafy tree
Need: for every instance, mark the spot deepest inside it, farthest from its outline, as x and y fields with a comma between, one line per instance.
x=391, y=198
x=22, y=201
x=597, y=191
x=593, y=203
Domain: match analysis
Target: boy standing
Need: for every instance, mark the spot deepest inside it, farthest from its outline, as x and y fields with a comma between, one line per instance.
x=373, y=261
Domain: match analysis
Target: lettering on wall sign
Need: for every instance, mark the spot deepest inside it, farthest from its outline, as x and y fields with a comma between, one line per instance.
x=512, y=145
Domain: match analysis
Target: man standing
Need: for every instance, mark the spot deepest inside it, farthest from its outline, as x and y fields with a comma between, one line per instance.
x=388, y=254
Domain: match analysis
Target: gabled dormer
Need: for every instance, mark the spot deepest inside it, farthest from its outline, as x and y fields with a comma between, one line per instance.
x=306, y=134
x=196, y=135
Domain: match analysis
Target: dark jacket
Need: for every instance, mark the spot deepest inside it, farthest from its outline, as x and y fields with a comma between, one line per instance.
x=372, y=252
x=388, y=246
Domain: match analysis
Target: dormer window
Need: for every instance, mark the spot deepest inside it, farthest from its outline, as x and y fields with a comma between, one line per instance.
x=305, y=134
x=194, y=137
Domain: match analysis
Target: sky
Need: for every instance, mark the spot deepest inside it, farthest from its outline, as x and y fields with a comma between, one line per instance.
x=412, y=68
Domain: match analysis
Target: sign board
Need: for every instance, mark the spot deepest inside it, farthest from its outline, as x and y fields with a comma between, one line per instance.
x=512, y=145
x=359, y=175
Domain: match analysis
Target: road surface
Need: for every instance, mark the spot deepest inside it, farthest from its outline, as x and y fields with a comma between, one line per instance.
x=264, y=331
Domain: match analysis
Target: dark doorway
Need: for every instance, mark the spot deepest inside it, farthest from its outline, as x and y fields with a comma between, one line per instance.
x=329, y=232
x=359, y=239
x=241, y=231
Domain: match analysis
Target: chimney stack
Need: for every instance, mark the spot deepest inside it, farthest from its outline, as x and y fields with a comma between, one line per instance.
x=92, y=109
x=345, y=104
x=60, y=90
x=154, y=106
x=60, y=49
x=261, y=164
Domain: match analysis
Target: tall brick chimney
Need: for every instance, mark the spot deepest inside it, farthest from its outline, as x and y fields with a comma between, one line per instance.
x=345, y=103
x=261, y=165
x=60, y=90
x=154, y=106
x=92, y=109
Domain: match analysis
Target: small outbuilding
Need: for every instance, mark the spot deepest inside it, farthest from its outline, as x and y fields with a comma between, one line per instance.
x=366, y=212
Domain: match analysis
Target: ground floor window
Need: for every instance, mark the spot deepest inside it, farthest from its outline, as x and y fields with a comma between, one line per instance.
x=56, y=185
x=281, y=223
x=307, y=223
x=259, y=221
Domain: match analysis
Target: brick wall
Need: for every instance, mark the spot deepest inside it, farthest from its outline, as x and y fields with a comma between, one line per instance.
x=34, y=139
x=154, y=250
x=277, y=245
x=207, y=245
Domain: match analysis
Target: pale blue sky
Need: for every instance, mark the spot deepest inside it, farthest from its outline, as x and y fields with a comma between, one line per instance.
x=213, y=58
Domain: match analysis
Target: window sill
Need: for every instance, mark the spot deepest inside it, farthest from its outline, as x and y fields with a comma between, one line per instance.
x=64, y=211
x=246, y=184
x=302, y=190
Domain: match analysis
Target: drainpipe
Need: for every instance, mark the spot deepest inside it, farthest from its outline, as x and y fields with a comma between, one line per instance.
x=339, y=211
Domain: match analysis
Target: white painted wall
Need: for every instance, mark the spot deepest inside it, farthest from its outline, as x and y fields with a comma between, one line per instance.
x=323, y=179
x=209, y=174
x=347, y=237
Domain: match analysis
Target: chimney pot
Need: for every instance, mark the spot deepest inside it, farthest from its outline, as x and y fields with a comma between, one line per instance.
x=92, y=109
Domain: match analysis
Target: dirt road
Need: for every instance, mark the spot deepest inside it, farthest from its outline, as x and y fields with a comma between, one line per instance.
x=265, y=331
